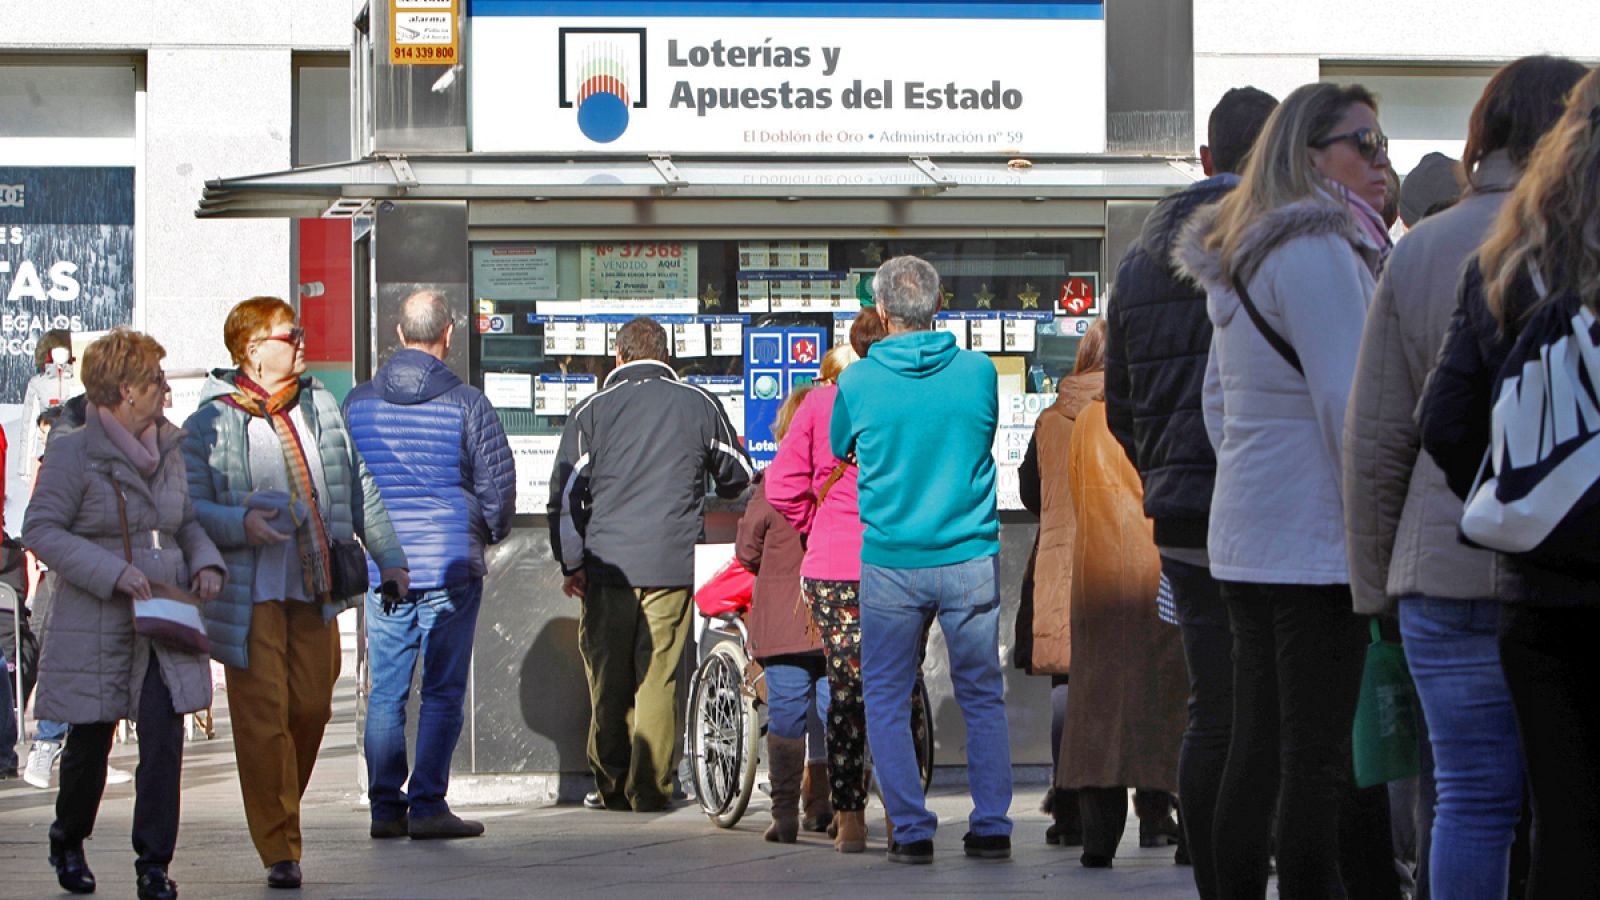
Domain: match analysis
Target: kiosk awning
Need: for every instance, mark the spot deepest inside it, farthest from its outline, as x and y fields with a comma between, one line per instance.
x=343, y=189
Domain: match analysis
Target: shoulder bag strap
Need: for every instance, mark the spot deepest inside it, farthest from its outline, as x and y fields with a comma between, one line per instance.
x=833, y=477
x=1274, y=338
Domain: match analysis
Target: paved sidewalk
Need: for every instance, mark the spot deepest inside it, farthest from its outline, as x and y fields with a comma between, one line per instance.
x=551, y=852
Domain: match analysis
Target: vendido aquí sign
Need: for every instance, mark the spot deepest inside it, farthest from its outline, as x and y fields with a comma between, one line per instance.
x=774, y=77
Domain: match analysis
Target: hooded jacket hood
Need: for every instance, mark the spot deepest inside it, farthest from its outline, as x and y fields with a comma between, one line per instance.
x=1164, y=226
x=218, y=384
x=1077, y=391
x=1303, y=218
x=918, y=354
x=413, y=376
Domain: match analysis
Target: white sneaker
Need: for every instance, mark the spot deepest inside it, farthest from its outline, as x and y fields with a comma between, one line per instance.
x=41, y=760
x=115, y=775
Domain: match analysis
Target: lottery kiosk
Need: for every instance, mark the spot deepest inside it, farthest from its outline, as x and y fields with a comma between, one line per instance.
x=736, y=171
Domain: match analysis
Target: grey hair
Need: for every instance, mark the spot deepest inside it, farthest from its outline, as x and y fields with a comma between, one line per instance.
x=424, y=317
x=907, y=287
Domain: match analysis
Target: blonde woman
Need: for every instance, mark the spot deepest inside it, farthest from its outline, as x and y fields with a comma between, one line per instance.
x=110, y=516
x=1548, y=229
x=830, y=575
x=1288, y=261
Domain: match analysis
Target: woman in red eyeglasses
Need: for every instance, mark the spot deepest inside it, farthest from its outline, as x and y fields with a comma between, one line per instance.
x=275, y=480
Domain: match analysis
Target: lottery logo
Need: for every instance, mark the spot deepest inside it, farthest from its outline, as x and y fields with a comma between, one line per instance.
x=602, y=78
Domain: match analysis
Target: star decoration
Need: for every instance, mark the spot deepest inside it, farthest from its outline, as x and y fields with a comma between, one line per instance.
x=1029, y=295
x=946, y=297
x=711, y=297
x=985, y=297
x=873, y=253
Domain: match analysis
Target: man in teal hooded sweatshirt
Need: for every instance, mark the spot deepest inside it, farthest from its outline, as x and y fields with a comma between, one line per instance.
x=920, y=413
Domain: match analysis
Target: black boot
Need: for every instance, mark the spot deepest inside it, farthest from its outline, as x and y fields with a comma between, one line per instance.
x=155, y=885
x=72, y=869
x=1068, y=828
x=1157, y=827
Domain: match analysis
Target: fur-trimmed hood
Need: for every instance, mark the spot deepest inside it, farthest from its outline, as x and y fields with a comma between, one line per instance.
x=1302, y=218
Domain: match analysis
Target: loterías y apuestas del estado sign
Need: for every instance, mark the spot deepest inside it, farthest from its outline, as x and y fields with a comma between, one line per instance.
x=785, y=77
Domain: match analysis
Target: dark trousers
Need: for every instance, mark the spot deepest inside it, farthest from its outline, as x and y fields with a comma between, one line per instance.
x=1105, y=815
x=155, y=804
x=1298, y=652
x=1208, y=650
x=1551, y=666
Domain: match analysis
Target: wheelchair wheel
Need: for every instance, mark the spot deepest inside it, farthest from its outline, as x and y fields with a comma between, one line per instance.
x=922, y=732
x=723, y=735
x=921, y=741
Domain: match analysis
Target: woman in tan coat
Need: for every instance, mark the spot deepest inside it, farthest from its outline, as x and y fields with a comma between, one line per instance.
x=1129, y=683
x=94, y=669
x=1044, y=636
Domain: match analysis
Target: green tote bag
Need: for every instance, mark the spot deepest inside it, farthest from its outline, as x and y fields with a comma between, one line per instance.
x=1385, y=734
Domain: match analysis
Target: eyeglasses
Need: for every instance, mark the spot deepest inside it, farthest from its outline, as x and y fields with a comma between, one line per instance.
x=296, y=336
x=1369, y=142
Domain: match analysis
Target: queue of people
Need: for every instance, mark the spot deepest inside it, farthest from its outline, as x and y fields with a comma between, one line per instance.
x=1299, y=430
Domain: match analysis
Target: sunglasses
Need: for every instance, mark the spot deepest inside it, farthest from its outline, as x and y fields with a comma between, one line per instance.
x=295, y=337
x=1369, y=142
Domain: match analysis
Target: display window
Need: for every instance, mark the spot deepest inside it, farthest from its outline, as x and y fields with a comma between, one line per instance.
x=749, y=320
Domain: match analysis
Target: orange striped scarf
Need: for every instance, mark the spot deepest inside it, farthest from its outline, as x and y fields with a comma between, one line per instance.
x=312, y=535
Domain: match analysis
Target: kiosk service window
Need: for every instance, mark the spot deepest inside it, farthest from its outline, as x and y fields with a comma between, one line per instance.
x=750, y=319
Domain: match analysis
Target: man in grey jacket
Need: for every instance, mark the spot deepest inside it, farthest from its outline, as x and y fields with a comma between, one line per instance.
x=626, y=505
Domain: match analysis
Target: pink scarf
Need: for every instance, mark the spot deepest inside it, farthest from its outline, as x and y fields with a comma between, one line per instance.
x=1369, y=220
x=141, y=450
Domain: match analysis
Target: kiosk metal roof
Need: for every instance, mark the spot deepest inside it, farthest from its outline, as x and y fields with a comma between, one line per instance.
x=343, y=189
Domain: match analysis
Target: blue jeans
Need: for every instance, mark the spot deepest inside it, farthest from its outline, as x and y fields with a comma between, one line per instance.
x=897, y=606
x=46, y=730
x=797, y=684
x=1452, y=647
x=436, y=625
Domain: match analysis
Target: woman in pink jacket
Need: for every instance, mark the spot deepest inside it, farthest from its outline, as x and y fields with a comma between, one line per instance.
x=830, y=577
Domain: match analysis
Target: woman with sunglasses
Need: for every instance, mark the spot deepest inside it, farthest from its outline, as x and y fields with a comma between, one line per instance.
x=111, y=516
x=1288, y=260
x=275, y=479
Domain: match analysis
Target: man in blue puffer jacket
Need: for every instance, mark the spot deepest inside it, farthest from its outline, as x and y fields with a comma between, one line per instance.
x=444, y=468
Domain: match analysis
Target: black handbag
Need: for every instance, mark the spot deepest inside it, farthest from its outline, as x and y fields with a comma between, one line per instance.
x=347, y=564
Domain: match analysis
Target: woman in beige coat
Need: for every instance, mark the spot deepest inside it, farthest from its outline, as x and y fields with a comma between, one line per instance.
x=1402, y=520
x=93, y=668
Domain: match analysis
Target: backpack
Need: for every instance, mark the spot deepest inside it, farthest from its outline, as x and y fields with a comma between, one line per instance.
x=1537, y=495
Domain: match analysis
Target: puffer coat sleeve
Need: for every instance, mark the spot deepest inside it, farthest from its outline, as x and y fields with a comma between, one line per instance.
x=1454, y=414
x=1380, y=451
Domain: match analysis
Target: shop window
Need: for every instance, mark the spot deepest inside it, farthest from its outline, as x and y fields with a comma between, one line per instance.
x=322, y=246
x=548, y=313
x=1424, y=109
x=62, y=98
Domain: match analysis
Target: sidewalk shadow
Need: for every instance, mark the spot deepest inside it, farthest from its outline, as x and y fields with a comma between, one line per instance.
x=554, y=699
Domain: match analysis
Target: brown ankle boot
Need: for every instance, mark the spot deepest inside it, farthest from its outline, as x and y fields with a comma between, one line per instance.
x=786, y=765
x=852, y=836
x=816, y=811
